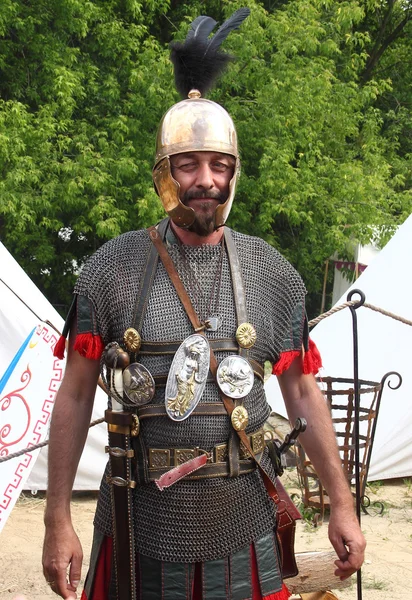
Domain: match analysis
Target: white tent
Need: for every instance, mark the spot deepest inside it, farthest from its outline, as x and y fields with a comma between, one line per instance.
x=384, y=345
x=22, y=306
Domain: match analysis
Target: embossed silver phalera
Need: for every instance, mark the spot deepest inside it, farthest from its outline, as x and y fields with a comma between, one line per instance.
x=138, y=384
x=235, y=376
x=187, y=377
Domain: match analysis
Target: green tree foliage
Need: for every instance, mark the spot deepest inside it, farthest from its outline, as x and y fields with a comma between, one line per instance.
x=82, y=89
x=320, y=93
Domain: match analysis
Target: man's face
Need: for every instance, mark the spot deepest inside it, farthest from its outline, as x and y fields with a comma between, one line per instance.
x=204, y=179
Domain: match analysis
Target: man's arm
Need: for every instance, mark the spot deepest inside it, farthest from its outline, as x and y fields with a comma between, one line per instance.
x=303, y=398
x=68, y=432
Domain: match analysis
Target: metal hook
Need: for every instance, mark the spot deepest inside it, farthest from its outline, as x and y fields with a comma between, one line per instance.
x=387, y=375
x=359, y=302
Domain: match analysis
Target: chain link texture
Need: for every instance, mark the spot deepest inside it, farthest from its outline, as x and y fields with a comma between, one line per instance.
x=207, y=519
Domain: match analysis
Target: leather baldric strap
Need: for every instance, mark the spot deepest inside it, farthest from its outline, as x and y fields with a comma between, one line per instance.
x=146, y=281
x=238, y=286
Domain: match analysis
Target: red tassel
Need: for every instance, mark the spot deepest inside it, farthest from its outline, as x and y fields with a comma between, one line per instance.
x=312, y=361
x=284, y=362
x=59, y=348
x=283, y=594
x=89, y=345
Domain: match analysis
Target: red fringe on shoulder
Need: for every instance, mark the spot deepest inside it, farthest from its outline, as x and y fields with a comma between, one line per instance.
x=60, y=348
x=312, y=361
x=284, y=362
x=89, y=345
x=283, y=594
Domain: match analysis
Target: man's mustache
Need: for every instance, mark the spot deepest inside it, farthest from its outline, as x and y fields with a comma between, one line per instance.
x=196, y=194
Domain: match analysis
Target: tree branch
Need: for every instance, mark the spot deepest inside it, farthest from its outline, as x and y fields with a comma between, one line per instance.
x=382, y=43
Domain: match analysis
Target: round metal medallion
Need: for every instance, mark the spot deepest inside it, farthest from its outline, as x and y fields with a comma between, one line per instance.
x=138, y=384
x=132, y=339
x=235, y=376
x=246, y=335
x=239, y=418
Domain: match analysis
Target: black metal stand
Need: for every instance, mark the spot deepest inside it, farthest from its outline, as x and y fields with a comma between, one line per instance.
x=378, y=507
x=362, y=501
x=353, y=309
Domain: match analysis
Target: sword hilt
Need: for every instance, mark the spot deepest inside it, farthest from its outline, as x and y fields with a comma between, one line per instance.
x=290, y=438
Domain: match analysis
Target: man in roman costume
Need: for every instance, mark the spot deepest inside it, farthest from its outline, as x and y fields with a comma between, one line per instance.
x=202, y=524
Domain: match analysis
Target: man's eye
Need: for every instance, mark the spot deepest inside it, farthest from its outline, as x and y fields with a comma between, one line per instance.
x=187, y=166
x=220, y=167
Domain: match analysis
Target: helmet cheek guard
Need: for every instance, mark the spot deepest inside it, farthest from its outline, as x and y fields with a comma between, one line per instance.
x=222, y=210
x=169, y=191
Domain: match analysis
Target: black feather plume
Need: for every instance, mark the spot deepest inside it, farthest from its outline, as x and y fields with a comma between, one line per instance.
x=198, y=61
x=201, y=27
x=232, y=23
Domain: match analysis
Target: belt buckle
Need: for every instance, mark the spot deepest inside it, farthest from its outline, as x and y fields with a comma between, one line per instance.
x=158, y=458
x=220, y=453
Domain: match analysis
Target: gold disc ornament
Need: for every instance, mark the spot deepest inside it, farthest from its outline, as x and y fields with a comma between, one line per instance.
x=132, y=339
x=246, y=335
x=239, y=418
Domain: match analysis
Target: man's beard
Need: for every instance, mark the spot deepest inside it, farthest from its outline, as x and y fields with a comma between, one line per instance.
x=204, y=223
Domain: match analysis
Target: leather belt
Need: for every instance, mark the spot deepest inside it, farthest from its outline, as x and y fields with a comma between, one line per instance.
x=165, y=458
x=202, y=409
x=220, y=345
x=162, y=378
x=208, y=471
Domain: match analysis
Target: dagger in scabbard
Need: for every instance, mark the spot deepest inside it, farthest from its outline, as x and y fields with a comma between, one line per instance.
x=121, y=426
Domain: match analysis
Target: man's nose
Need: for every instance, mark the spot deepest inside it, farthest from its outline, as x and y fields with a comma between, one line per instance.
x=204, y=176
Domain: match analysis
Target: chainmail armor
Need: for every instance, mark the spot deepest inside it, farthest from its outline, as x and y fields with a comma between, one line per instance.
x=194, y=520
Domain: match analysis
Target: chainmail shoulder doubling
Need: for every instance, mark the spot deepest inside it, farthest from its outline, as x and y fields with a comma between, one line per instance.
x=206, y=519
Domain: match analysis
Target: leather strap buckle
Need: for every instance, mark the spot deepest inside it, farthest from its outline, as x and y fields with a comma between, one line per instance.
x=120, y=482
x=119, y=452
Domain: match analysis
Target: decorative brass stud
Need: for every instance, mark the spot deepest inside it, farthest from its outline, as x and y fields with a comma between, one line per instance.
x=239, y=418
x=132, y=339
x=246, y=335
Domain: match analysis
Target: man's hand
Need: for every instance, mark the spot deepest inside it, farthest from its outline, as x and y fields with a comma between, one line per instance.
x=62, y=550
x=348, y=541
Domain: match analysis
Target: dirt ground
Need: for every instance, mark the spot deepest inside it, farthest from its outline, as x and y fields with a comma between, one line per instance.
x=387, y=573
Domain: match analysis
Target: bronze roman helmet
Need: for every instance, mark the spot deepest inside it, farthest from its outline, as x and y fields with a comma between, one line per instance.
x=196, y=124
